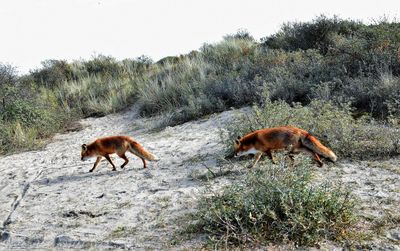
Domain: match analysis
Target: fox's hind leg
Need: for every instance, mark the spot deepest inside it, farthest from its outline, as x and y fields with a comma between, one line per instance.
x=95, y=163
x=290, y=156
x=318, y=159
x=109, y=160
x=123, y=156
x=144, y=162
x=314, y=155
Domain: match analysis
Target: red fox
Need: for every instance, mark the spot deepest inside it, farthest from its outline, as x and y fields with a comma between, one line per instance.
x=103, y=147
x=289, y=138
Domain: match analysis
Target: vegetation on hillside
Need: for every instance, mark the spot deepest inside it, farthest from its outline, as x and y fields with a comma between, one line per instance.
x=340, y=61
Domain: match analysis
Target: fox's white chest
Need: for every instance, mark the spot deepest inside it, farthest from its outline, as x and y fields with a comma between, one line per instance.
x=88, y=158
x=250, y=151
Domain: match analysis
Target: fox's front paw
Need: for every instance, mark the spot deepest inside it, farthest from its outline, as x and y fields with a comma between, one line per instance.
x=114, y=169
x=91, y=170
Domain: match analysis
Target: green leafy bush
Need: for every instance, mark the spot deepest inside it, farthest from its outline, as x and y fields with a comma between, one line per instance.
x=27, y=120
x=276, y=204
x=316, y=34
x=53, y=73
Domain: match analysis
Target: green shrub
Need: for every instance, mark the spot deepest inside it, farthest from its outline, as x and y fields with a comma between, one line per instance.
x=26, y=121
x=359, y=47
x=311, y=35
x=276, y=204
x=103, y=66
x=52, y=73
x=8, y=75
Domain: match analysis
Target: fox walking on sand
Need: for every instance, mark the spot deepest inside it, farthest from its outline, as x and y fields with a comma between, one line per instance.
x=103, y=147
x=290, y=138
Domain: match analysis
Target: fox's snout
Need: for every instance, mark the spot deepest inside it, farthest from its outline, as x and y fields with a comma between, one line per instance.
x=238, y=153
x=84, y=158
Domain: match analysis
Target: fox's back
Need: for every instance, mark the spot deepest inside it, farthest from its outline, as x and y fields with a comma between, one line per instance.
x=112, y=144
x=279, y=137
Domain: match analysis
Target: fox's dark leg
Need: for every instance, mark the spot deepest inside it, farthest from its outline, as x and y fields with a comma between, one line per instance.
x=314, y=155
x=291, y=159
x=109, y=160
x=257, y=158
x=144, y=162
x=123, y=156
x=318, y=159
x=270, y=156
x=95, y=163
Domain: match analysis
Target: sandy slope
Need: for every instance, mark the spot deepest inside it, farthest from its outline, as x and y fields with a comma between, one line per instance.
x=48, y=199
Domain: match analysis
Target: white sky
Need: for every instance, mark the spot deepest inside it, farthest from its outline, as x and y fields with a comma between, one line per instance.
x=36, y=30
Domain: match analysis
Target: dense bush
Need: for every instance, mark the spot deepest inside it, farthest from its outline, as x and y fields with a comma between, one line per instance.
x=276, y=204
x=8, y=75
x=27, y=115
x=311, y=35
x=53, y=73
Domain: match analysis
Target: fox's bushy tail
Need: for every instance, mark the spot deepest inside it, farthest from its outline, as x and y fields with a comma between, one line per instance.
x=316, y=146
x=137, y=149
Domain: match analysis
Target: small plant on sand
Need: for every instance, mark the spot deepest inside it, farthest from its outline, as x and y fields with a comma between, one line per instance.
x=122, y=232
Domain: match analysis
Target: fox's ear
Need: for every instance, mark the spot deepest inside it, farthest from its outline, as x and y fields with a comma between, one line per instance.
x=238, y=137
x=84, y=147
x=237, y=142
